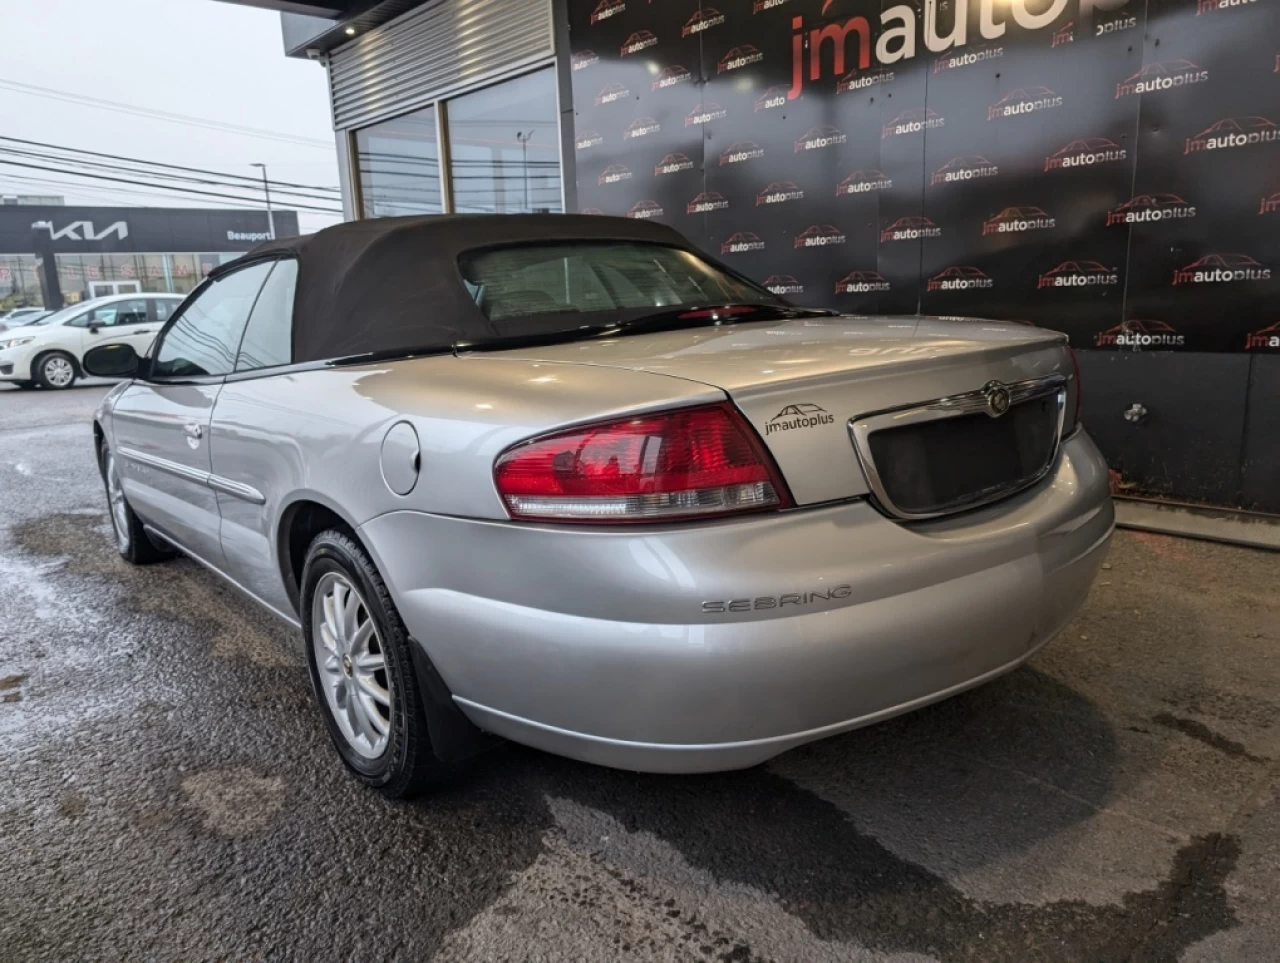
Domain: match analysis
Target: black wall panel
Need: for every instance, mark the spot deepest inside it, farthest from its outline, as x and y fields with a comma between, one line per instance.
x=1110, y=168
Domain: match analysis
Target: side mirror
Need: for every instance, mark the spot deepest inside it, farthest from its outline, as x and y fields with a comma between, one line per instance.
x=94, y=328
x=112, y=361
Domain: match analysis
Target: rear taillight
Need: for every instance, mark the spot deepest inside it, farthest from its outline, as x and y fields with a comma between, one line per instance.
x=693, y=462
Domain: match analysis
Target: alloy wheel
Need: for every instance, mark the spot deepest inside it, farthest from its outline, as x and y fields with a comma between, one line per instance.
x=58, y=371
x=119, y=507
x=352, y=665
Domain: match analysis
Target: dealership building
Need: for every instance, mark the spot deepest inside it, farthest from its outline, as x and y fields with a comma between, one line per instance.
x=1108, y=168
x=53, y=255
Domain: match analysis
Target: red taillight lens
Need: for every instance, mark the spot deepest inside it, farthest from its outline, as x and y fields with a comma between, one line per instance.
x=689, y=463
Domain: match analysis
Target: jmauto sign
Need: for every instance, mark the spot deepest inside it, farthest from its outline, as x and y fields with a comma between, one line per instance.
x=1110, y=168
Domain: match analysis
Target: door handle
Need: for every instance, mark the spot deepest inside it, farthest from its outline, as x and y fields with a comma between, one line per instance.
x=193, y=431
x=143, y=331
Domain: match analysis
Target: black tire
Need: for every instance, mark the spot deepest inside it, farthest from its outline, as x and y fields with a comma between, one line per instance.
x=131, y=540
x=25, y=385
x=44, y=377
x=407, y=765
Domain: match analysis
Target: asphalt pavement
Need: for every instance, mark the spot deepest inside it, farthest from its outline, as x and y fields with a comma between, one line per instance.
x=168, y=792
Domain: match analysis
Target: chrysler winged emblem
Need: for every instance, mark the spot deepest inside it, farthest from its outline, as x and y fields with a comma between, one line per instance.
x=997, y=396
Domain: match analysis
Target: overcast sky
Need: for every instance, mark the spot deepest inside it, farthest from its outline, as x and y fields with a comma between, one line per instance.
x=203, y=59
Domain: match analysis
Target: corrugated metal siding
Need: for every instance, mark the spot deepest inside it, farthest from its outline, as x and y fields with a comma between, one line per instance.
x=433, y=51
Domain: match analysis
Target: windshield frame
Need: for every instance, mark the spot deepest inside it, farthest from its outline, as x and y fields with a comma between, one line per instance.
x=589, y=323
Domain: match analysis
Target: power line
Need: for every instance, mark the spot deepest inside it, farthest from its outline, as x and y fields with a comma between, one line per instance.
x=254, y=180
x=113, y=194
x=164, y=115
x=175, y=187
x=141, y=169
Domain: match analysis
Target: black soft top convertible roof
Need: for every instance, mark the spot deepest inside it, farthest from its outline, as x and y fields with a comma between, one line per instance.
x=392, y=284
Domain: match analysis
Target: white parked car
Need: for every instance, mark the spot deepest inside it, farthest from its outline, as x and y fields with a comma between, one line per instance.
x=20, y=316
x=47, y=352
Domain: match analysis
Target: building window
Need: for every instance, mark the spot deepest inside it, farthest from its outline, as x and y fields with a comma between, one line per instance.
x=504, y=147
x=504, y=154
x=399, y=166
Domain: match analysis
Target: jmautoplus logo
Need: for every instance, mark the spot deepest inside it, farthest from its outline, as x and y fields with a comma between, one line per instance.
x=864, y=182
x=584, y=59
x=977, y=55
x=1268, y=337
x=960, y=278
x=771, y=98
x=1233, y=132
x=641, y=127
x=606, y=9
x=704, y=19
x=798, y=416
x=707, y=201
x=738, y=57
x=903, y=29
x=1114, y=26
x=760, y=6
x=779, y=192
x=640, y=40
x=1078, y=274
x=670, y=76
x=816, y=138
x=1210, y=6
x=910, y=229
x=1018, y=220
x=1148, y=208
x=1086, y=152
x=1064, y=34
x=862, y=282
x=741, y=243
x=783, y=284
x=642, y=210
x=1270, y=205
x=967, y=168
x=611, y=93
x=913, y=121
x=858, y=80
x=614, y=174
x=1023, y=101
x=588, y=138
x=1168, y=75
x=1140, y=334
x=704, y=114
x=743, y=150
x=673, y=164
x=818, y=235
x=1222, y=269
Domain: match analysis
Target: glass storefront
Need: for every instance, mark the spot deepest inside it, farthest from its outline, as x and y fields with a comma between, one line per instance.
x=504, y=147
x=84, y=276
x=504, y=154
x=399, y=166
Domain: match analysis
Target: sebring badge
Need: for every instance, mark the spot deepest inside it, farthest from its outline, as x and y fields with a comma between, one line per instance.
x=997, y=398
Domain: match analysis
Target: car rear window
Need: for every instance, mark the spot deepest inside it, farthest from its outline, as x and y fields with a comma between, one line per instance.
x=593, y=277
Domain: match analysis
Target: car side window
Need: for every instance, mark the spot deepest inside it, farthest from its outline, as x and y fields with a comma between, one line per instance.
x=164, y=308
x=127, y=312
x=206, y=335
x=268, y=340
x=82, y=320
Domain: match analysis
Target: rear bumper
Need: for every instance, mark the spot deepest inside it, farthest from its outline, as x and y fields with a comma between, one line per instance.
x=595, y=644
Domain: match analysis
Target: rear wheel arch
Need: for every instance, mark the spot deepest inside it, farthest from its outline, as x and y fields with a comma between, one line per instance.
x=300, y=522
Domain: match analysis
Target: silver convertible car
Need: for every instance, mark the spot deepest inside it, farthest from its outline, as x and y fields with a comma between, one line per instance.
x=568, y=481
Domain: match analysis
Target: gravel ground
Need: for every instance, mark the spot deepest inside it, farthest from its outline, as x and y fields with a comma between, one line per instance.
x=167, y=790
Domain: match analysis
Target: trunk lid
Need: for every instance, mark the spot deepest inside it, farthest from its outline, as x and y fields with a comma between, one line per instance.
x=802, y=382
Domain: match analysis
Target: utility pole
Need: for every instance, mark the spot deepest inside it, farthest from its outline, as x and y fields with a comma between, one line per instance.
x=524, y=163
x=266, y=189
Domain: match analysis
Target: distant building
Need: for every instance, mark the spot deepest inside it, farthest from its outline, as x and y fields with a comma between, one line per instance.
x=114, y=250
